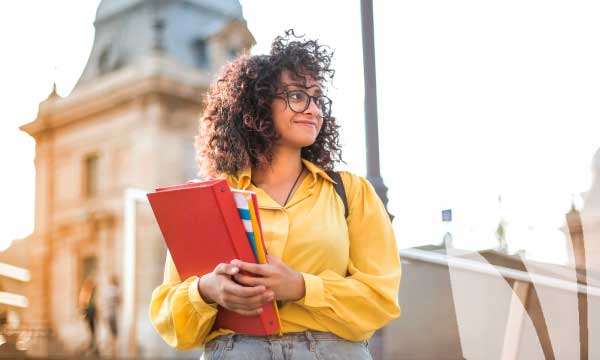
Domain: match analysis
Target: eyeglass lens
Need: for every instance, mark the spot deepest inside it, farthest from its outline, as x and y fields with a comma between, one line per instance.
x=299, y=101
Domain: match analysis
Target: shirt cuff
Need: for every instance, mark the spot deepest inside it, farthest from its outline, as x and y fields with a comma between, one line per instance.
x=197, y=302
x=314, y=295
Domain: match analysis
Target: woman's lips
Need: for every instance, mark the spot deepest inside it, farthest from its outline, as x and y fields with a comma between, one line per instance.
x=306, y=123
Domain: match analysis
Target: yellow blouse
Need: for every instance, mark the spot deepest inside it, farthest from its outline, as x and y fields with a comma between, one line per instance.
x=351, y=268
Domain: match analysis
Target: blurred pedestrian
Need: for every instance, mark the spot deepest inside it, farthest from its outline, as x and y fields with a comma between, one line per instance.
x=87, y=304
x=112, y=300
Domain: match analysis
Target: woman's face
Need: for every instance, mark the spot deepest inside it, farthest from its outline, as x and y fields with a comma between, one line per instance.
x=296, y=129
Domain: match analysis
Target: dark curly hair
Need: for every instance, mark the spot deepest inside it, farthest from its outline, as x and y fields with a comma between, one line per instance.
x=236, y=128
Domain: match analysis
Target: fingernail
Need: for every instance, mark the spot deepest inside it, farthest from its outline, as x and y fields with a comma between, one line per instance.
x=234, y=270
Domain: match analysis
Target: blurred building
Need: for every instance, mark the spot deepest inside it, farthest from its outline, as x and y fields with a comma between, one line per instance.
x=128, y=123
x=583, y=225
x=15, y=336
x=490, y=305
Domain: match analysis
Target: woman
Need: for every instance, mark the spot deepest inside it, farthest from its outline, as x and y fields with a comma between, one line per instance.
x=267, y=127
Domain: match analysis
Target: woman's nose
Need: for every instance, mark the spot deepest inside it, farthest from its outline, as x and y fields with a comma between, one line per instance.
x=312, y=106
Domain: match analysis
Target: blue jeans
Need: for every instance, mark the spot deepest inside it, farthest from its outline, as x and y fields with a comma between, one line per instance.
x=308, y=345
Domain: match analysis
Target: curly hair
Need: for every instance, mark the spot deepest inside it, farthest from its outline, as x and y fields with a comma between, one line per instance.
x=236, y=127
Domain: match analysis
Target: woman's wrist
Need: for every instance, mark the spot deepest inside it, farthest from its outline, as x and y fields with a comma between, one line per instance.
x=301, y=287
x=202, y=289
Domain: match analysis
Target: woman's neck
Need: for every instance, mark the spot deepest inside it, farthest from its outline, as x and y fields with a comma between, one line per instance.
x=283, y=169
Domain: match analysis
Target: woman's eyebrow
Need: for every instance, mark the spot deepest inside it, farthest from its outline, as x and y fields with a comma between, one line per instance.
x=301, y=85
x=296, y=84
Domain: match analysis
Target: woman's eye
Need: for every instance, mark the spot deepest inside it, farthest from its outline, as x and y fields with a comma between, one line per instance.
x=296, y=96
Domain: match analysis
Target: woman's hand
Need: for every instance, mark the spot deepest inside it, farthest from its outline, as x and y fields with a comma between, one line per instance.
x=218, y=287
x=285, y=282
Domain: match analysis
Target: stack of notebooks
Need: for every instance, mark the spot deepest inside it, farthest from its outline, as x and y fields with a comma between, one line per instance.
x=207, y=223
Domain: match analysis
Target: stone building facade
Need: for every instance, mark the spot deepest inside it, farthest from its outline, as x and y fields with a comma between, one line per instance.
x=129, y=123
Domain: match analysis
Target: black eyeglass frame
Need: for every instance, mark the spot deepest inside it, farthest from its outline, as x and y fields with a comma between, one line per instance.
x=307, y=104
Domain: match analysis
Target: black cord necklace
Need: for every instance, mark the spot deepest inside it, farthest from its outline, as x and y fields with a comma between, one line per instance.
x=293, y=186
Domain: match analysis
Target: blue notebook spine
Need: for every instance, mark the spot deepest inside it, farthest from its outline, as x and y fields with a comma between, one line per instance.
x=242, y=204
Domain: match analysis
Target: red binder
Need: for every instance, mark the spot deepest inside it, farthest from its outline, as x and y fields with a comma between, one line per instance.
x=202, y=228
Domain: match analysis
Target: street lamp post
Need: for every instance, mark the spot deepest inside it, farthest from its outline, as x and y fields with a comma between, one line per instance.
x=371, y=126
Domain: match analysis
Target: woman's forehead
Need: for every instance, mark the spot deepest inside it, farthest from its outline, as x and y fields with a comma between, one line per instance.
x=305, y=81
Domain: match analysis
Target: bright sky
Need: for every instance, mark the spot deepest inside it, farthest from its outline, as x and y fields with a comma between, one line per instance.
x=476, y=99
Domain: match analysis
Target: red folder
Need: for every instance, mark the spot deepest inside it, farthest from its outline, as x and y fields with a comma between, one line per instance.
x=202, y=228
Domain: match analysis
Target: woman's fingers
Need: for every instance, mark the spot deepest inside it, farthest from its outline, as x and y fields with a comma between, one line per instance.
x=226, y=269
x=273, y=259
x=235, y=302
x=229, y=287
x=259, y=269
x=245, y=300
x=236, y=296
x=250, y=280
x=253, y=312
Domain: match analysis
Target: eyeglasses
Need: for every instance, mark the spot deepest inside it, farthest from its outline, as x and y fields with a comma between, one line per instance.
x=299, y=101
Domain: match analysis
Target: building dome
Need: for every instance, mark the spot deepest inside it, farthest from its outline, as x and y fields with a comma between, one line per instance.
x=230, y=8
x=110, y=7
x=129, y=30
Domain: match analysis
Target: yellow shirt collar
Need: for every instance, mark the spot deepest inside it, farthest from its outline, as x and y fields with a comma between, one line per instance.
x=243, y=179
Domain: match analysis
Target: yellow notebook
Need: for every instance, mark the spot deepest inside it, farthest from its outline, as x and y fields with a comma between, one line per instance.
x=262, y=257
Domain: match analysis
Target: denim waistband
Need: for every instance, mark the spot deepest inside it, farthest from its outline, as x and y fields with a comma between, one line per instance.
x=312, y=339
x=309, y=336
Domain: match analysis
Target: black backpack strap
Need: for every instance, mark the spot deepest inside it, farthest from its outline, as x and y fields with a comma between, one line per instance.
x=339, y=189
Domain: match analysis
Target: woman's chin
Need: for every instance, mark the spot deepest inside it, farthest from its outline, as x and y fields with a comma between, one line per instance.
x=298, y=142
x=306, y=142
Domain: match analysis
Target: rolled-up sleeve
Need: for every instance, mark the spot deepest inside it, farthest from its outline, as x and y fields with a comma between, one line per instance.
x=367, y=297
x=178, y=312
